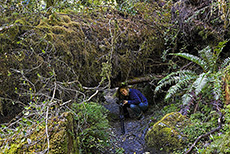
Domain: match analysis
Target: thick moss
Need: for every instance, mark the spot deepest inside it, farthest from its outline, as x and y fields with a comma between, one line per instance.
x=75, y=47
x=165, y=134
x=64, y=141
x=62, y=138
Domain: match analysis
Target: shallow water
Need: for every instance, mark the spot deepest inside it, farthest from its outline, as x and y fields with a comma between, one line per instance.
x=133, y=141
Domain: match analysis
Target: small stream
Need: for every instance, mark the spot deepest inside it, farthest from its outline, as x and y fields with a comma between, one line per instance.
x=133, y=141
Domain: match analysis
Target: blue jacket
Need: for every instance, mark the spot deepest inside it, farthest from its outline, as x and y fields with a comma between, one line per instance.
x=136, y=97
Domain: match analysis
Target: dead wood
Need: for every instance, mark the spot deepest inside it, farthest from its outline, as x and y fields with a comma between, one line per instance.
x=137, y=80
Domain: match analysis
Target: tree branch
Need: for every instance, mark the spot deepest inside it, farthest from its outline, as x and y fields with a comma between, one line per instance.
x=47, y=114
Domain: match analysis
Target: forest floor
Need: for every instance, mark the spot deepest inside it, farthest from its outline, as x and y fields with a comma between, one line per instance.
x=133, y=141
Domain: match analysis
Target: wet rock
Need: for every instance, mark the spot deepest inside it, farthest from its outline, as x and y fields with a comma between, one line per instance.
x=165, y=134
x=111, y=104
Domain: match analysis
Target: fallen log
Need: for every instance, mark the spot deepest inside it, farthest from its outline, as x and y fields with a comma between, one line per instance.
x=137, y=80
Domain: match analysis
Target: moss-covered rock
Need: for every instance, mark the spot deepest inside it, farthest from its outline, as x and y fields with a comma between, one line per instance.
x=60, y=137
x=165, y=134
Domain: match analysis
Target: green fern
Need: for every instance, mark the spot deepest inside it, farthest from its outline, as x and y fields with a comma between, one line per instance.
x=183, y=82
x=225, y=63
x=219, y=49
x=197, y=86
x=202, y=63
x=200, y=82
x=191, y=83
x=174, y=77
x=186, y=98
x=217, y=84
x=207, y=55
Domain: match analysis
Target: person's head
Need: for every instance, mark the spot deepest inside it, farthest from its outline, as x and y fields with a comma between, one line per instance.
x=123, y=90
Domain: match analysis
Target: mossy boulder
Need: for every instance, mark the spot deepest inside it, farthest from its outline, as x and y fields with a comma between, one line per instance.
x=60, y=132
x=165, y=134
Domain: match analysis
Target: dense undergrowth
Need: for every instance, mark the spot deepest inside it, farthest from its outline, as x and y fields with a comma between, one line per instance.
x=202, y=97
x=57, y=55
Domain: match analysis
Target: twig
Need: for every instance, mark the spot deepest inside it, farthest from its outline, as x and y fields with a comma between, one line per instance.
x=91, y=97
x=186, y=65
x=47, y=113
x=65, y=102
x=6, y=27
x=47, y=134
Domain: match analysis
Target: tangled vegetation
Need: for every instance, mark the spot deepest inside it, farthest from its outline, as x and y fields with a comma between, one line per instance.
x=199, y=90
x=55, y=55
x=194, y=83
x=49, y=60
x=93, y=133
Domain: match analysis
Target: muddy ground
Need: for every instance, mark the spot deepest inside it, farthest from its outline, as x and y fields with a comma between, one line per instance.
x=133, y=141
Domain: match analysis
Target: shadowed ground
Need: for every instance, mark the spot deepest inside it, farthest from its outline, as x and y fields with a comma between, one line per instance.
x=133, y=141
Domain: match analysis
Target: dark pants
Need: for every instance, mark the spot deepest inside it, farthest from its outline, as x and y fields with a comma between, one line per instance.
x=126, y=112
x=137, y=109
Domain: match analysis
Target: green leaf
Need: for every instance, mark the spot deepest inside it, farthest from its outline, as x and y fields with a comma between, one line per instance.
x=183, y=82
x=27, y=107
x=182, y=77
x=225, y=63
x=207, y=55
x=200, y=82
x=24, y=119
x=186, y=98
x=27, y=113
x=194, y=59
x=9, y=73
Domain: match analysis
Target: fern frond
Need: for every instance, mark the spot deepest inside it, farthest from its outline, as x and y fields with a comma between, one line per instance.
x=206, y=55
x=197, y=85
x=186, y=72
x=181, y=84
x=225, y=63
x=218, y=82
x=200, y=82
x=219, y=48
x=217, y=90
x=174, y=78
x=186, y=98
x=194, y=59
x=172, y=91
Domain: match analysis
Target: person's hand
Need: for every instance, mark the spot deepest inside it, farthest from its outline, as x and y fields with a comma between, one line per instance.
x=125, y=102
